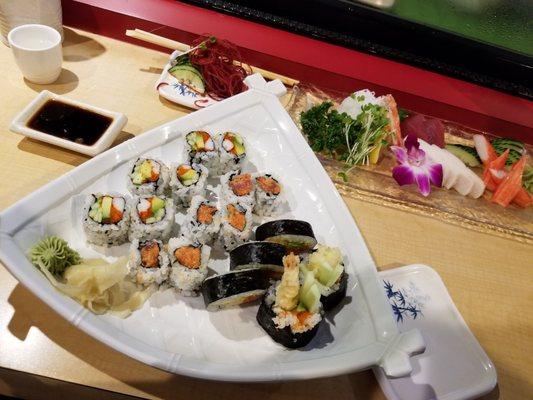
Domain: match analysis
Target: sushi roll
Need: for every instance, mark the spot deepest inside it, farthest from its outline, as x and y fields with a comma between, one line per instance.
x=297, y=236
x=236, y=225
x=332, y=280
x=231, y=150
x=106, y=219
x=267, y=195
x=234, y=288
x=265, y=255
x=148, y=176
x=202, y=222
x=152, y=217
x=187, y=181
x=201, y=149
x=148, y=262
x=189, y=261
x=237, y=187
x=291, y=312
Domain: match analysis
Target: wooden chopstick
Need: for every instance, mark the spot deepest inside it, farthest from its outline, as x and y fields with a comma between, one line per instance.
x=175, y=45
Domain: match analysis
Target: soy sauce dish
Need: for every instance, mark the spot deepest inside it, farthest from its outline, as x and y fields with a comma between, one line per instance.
x=67, y=123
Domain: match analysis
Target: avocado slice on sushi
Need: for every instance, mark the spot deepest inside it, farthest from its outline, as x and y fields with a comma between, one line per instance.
x=234, y=288
x=326, y=265
x=296, y=236
x=265, y=255
x=291, y=313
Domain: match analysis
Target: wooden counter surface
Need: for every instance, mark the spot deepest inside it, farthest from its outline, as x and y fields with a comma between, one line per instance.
x=489, y=278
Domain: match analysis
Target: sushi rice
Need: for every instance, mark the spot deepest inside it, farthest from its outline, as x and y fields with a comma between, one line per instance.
x=160, y=228
x=237, y=187
x=140, y=183
x=231, y=150
x=105, y=234
x=183, y=192
x=268, y=195
x=236, y=225
x=143, y=273
x=202, y=230
x=188, y=274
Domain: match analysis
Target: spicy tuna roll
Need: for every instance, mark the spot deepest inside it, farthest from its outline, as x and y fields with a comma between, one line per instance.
x=152, y=217
x=237, y=187
x=291, y=313
x=267, y=195
x=148, y=262
x=201, y=149
x=202, y=222
x=232, y=151
x=187, y=181
x=297, y=236
x=236, y=225
x=332, y=280
x=148, y=176
x=189, y=260
x=106, y=219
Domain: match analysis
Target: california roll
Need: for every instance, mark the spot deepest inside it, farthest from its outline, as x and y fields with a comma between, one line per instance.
x=201, y=149
x=187, y=181
x=106, y=219
x=152, y=217
x=232, y=151
x=148, y=176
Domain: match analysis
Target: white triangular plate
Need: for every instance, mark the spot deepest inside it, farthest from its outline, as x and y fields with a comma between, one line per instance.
x=177, y=334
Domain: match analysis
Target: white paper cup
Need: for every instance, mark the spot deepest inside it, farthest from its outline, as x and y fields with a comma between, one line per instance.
x=37, y=51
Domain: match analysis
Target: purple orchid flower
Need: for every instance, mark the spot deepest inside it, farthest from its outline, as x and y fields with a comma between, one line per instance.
x=415, y=167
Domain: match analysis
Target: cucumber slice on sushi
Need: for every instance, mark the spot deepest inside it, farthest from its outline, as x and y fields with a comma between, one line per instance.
x=291, y=313
x=265, y=255
x=326, y=265
x=234, y=288
x=296, y=236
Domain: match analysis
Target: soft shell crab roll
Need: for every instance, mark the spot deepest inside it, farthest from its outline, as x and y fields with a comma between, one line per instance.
x=201, y=149
x=332, y=280
x=106, y=219
x=187, y=181
x=202, y=222
x=291, y=313
x=189, y=260
x=232, y=151
x=236, y=225
x=267, y=194
x=148, y=262
x=237, y=187
x=148, y=176
x=264, y=255
x=297, y=236
x=152, y=217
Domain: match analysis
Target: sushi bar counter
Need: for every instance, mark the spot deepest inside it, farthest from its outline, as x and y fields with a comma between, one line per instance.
x=487, y=276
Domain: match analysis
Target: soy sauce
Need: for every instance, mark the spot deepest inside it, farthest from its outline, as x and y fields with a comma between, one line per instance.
x=69, y=122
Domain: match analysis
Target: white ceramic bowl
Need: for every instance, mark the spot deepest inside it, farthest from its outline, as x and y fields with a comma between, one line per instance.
x=20, y=125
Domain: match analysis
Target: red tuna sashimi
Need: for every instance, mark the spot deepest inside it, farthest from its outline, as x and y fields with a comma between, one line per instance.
x=430, y=130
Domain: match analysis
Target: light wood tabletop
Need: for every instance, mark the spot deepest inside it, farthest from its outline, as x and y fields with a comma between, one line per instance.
x=488, y=277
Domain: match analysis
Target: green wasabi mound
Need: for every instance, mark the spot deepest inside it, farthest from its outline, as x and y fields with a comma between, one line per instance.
x=54, y=254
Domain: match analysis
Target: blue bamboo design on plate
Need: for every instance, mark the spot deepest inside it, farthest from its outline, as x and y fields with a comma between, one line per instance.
x=402, y=306
x=184, y=90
